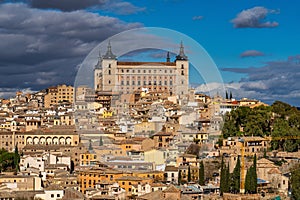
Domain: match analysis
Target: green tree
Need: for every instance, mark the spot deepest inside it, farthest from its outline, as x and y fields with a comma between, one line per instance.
x=227, y=178
x=90, y=146
x=230, y=96
x=7, y=160
x=226, y=95
x=236, y=177
x=101, y=141
x=201, y=174
x=179, y=177
x=247, y=181
x=251, y=178
x=16, y=158
x=222, y=177
x=254, y=173
x=189, y=174
x=295, y=183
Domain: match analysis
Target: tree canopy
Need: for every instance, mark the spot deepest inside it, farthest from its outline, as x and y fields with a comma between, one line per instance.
x=278, y=120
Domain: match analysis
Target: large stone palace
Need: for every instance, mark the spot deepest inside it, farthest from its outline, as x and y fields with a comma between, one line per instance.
x=128, y=77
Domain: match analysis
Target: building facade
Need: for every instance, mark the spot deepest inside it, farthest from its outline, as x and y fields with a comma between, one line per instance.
x=128, y=77
x=58, y=94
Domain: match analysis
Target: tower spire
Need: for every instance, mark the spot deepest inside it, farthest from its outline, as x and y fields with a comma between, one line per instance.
x=181, y=55
x=98, y=65
x=168, y=56
x=109, y=54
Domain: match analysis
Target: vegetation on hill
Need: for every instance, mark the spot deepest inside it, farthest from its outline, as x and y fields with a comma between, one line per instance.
x=280, y=120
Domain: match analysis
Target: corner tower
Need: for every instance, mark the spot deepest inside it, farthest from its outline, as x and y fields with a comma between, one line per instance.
x=109, y=70
x=98, y=74
x=182, y=78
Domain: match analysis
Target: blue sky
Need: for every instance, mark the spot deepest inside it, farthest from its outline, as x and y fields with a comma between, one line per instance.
x=255, y=44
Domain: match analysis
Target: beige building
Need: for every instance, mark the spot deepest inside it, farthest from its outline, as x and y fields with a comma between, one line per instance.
x=250, y=145
x=127, y=77
x=156, y=156
x=22, y=183
x=59, y=136
x=58, y=94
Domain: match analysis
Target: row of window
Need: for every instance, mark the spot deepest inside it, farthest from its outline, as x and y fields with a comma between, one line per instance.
x=146, y=71
x=138, y=83
x=71, y=89
x=149, y=77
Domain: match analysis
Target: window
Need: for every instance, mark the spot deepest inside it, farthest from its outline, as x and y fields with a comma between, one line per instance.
x=52, y=195
x=109, y=66
x=58, y=195
x=182, y=66
x=109, y=72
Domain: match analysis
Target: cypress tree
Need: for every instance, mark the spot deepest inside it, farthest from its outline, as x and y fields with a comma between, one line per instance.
x=222, y=177
x=90, y=146
x=230, y=95
x=201, y=174
x=189, y=174
x=179, y=177
x=227, y=177
x=254, y=172
x=247, y=181
x=101, y=141
x=236, y=176
x=16, y=158
x=226, y=94
x=251, y=179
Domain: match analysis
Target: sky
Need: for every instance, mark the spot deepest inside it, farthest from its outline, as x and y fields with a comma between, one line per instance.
x=254, y=44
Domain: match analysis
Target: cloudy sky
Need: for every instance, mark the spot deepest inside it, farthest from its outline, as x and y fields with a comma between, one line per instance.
x=255, y=44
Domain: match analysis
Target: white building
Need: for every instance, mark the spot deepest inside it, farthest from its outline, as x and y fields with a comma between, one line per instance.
x=28, y=161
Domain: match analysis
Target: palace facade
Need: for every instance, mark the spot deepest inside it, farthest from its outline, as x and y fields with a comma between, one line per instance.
x=129, y=77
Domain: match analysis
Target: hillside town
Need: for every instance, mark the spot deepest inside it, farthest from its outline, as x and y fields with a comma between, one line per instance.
x=145, y=140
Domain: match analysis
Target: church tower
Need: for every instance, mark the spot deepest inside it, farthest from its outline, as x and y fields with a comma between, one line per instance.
x=182, y=78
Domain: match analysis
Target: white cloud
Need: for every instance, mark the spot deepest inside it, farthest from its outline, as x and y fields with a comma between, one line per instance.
x=254, y=18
